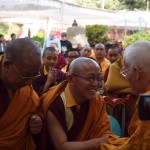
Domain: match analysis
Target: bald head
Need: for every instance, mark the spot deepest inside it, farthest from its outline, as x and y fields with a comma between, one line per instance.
x=22, y=50
x=137, y=54
x=99, y=45
x=81, y=63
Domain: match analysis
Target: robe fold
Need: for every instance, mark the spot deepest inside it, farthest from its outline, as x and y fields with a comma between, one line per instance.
x=14, y=132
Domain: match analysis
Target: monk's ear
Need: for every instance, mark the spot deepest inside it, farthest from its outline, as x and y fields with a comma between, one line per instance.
x=6, y=65
x=138, y=72
x=70, y=79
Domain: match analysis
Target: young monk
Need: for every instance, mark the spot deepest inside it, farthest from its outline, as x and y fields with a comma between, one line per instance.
x=114, y=53
x=49, y=75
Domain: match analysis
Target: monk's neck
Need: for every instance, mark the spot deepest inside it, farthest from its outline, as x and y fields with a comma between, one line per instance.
x=100, y=59
x=79, y=100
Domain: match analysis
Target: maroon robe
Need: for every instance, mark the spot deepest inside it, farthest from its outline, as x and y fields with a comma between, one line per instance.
x=38, y=83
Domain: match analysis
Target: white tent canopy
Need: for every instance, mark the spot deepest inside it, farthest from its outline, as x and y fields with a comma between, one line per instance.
x=64, y=13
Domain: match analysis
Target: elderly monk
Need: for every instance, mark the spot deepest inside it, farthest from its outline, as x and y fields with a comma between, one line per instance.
x=75, y=112
x=49, y=75
x=135, y=70
x=100, y=54
x=18, y=67
x=116, y=86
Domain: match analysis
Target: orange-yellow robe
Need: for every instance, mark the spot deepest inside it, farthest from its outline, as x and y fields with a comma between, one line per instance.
x=14, y=131
x=104, y=64
x=97, y=123
x=139, y=136
x=64, y=69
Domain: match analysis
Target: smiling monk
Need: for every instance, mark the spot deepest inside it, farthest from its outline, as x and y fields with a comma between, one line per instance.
x=74, y=111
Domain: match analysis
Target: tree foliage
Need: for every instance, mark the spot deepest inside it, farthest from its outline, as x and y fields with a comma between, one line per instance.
x=96, y=34
x=115, y=4
x=141, y=35
x=39, y=37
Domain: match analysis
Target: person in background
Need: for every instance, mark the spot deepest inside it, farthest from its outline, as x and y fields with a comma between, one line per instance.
x=86, y=51
x=79, y=47
x=61, y=61
x=52, y=39
x=13, y=36
x=71, y=55
x=65, y=44
x=19, y=103
x=2, y=44
x=114, y=53
x=100, y=54
x=49, y=75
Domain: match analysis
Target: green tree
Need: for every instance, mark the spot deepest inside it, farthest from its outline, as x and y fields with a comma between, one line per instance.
x=96, y=34
x=115, y=4
x=141, y=35
x=39, y=37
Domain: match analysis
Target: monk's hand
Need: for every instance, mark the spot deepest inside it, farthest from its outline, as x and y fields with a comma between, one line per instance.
x=51, y=77
x=101, y=140
x=35, y=124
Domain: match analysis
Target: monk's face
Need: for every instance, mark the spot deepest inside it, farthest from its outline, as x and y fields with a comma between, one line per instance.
x=113, y=55
x=135, y=78
x=85, y=83
x=50, y=59
x=86, y=52
x=99, y=51
x=16, y=76
x=72, y=55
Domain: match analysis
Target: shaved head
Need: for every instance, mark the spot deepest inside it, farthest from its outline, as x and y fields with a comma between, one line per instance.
x=21, y=50
x=100, y=44
x=138, y=54
x=81, y=63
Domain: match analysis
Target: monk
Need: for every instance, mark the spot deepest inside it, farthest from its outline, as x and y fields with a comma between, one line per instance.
x=86, y=51
x=116, y=86
x=74, y=111
x=49, y=75
x=135, y=70
x=71, y=55
x=61, y=61
x=114, y=53
x=18, y=101
x=100, y=54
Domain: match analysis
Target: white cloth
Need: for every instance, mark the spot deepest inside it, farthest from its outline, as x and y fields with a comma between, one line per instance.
x=49, y=41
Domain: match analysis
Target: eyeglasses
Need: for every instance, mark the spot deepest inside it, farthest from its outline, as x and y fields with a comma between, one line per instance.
x=91, y=79
x=124, y=73
x=25, y=77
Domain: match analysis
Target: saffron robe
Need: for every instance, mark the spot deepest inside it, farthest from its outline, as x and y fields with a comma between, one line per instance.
x=120, y=84
x=96, y=124
x=139, y=135
x=14, y=132
x=14, y=117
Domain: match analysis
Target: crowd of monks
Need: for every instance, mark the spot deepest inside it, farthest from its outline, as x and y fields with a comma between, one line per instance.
x=49, y=102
